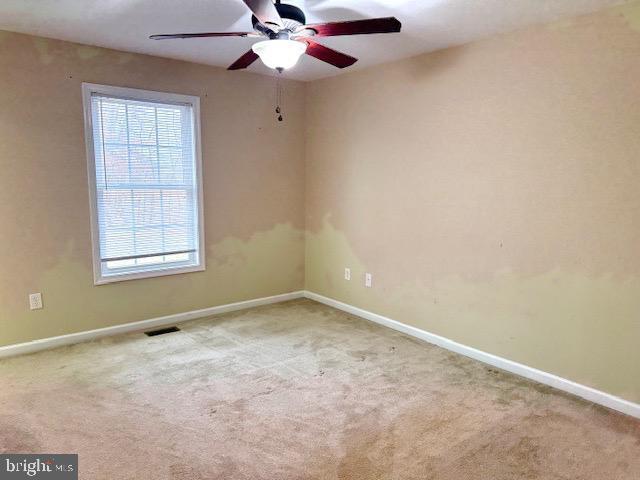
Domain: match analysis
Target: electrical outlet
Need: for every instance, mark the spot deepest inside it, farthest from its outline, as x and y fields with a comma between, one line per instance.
x=367, y=280
x=35, y=301
x=347, y=274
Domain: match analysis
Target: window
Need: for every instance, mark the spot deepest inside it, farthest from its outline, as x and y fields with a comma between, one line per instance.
x=143, y=152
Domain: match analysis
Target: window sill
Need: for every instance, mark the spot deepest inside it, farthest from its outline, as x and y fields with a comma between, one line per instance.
x=99, y=279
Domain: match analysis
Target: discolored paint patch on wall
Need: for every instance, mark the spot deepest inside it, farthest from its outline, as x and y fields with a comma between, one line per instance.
x=86, y=52
x=556, y=321
x=631, y=14
x=237, y=269
x=42, y=47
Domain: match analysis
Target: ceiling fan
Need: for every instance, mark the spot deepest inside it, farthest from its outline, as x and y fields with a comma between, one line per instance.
x=288, y=37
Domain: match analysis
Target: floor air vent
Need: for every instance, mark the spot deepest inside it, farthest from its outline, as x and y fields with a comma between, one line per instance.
x=161, y=331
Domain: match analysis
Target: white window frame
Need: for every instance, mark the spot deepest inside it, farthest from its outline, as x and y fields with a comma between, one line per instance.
x=88, y=89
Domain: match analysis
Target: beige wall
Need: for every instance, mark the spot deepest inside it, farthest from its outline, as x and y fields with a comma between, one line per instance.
x=493, y=191
x=253, y=189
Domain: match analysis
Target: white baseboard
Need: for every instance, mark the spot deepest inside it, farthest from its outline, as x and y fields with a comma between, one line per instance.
x=53, y=342
x=588, y=393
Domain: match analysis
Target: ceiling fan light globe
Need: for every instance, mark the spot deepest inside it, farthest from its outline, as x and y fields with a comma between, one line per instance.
x=280, y=54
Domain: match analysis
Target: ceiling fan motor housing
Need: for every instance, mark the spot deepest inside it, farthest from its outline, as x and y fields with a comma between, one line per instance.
x=292, y=17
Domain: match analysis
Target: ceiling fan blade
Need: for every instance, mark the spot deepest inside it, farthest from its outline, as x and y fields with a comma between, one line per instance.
x=203, y=35
x=328, y=55
x=244, y=61
x=265, y=11
x=356, y=27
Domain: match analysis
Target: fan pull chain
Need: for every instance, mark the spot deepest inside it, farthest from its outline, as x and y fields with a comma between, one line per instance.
x=279, y=108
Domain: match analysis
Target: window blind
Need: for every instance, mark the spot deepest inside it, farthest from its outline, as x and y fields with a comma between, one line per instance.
x=146, y=186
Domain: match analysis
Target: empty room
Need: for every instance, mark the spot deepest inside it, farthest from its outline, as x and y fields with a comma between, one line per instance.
x=318, y=239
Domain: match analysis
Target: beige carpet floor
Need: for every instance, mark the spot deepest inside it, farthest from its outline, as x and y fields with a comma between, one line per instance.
x=300, y=391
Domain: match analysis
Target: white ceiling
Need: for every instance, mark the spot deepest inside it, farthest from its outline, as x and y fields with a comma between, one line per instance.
x=428, y=25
